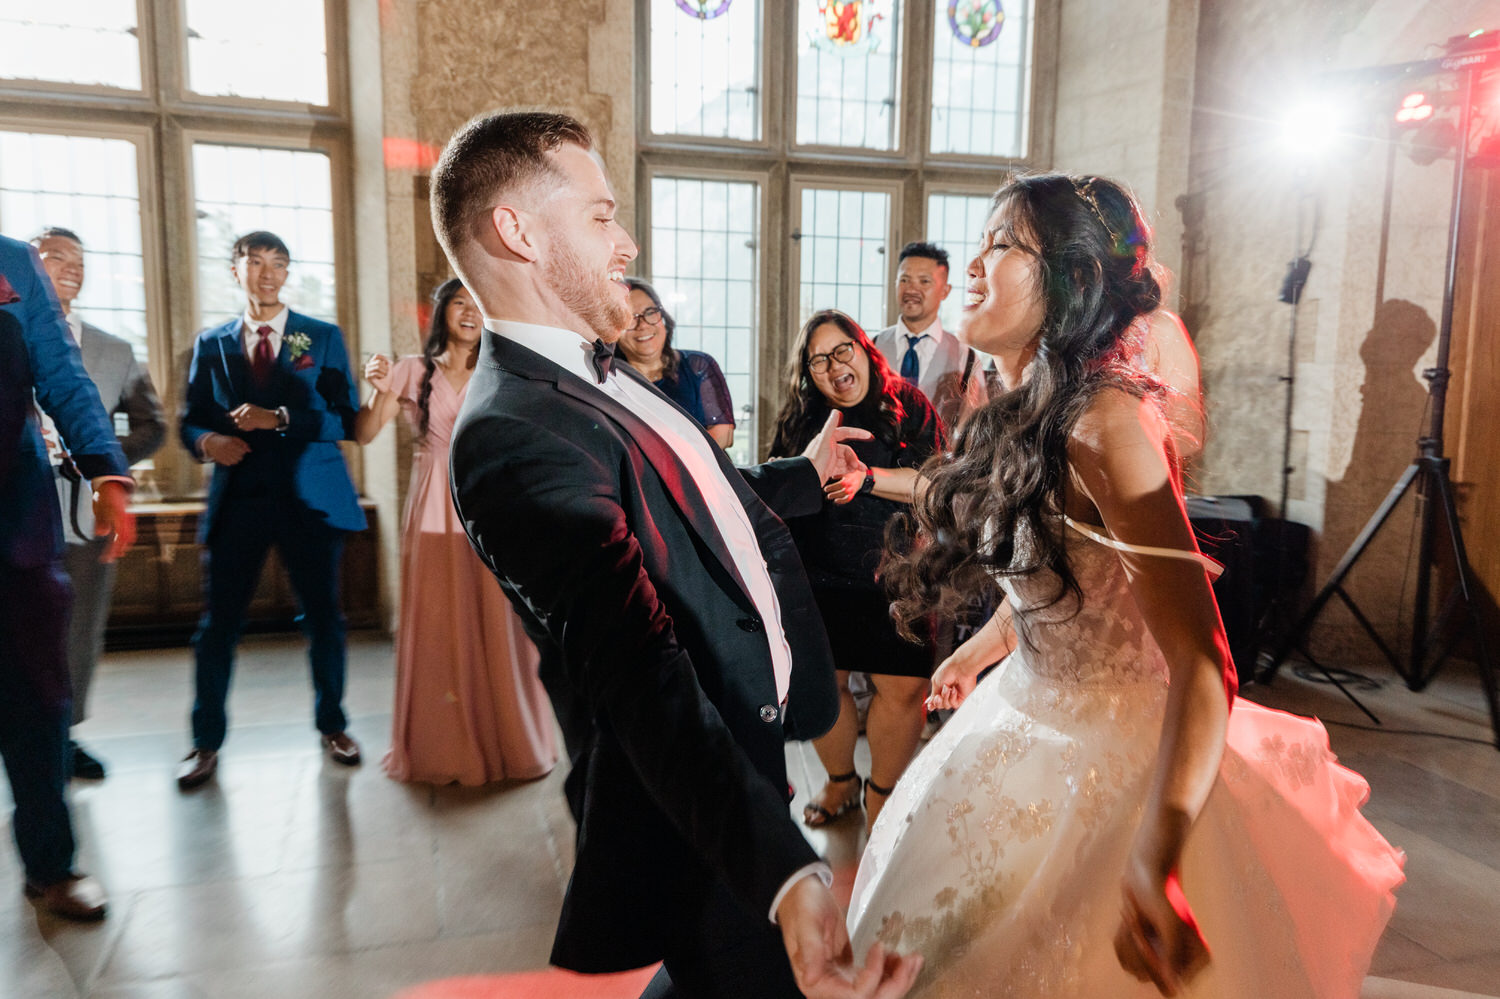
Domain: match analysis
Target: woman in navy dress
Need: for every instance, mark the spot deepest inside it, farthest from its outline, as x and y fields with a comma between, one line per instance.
x=690, y=378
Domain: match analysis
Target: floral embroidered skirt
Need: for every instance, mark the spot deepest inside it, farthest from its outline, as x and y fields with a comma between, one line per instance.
x=1000, y=855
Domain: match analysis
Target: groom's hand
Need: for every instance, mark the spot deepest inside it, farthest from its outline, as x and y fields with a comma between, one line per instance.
x=828, y=452
x=817, y=944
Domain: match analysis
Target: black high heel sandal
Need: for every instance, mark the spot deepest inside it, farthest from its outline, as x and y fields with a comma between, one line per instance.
x=870, y=785
x=815, y=816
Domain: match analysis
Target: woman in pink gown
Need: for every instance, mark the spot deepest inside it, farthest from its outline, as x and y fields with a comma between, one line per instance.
x=469, y=707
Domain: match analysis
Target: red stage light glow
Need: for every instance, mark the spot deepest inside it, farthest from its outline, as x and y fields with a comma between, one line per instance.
x=409, y=154
x=1414, y=109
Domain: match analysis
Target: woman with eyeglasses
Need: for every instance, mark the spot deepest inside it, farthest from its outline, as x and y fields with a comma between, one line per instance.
x=690, y=378
x=469, y=705
x=836, y=366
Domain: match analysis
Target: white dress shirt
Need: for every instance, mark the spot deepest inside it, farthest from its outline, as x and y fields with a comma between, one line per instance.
x=251, y=334
x=927, y=348
x=574, y=354
x=75, y=326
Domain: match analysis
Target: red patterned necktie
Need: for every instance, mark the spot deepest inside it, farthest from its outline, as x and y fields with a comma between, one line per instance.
x=262, y=362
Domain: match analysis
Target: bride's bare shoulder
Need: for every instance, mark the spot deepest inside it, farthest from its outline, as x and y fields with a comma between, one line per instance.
x=1116, y=418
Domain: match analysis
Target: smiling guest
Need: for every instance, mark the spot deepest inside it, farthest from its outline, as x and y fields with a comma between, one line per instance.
x=269, y=397
x=690, y=378
x=836, y=367
x=949, y=374
x=469, y=706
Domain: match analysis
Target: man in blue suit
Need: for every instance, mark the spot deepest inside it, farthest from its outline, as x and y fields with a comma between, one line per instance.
x=40, y=365
x=269, y=397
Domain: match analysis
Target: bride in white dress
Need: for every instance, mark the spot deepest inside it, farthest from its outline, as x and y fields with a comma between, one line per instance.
x=1101, y=817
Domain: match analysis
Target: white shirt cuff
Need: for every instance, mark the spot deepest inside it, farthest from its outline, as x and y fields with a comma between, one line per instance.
x=824, y=874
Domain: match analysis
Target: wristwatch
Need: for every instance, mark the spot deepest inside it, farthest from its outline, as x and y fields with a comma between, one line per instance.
x=283, y=419
x=868, y=486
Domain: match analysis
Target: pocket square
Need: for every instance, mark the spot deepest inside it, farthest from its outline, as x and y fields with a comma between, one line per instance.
x=302, y=363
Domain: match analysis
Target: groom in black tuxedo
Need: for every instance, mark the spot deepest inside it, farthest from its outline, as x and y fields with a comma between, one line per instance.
x=685, y=622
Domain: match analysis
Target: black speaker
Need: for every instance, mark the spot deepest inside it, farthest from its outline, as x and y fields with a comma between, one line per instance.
x=1265, y=566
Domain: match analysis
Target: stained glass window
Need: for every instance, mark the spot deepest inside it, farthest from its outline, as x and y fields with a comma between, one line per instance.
x=278, y=54
x=954, y=222
x=82, y=41
x=705, y=68
x=981, y=70
x=88, y=185
x=238, y=189
x=848, y=68
x=705, y=264
x=844, y=256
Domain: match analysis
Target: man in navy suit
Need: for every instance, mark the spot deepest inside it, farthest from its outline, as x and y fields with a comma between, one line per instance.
x=269, y=396
x=40, y=366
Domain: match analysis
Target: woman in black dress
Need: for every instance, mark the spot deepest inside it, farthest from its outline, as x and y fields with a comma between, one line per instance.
x=836, y=366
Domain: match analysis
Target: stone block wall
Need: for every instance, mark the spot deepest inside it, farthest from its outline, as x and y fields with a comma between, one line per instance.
x=1368, y=321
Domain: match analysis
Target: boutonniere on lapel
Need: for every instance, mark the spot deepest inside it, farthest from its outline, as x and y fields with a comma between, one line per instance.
x=297, y=347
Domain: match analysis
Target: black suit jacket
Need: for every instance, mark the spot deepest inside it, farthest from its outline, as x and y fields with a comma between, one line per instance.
x=595, y=527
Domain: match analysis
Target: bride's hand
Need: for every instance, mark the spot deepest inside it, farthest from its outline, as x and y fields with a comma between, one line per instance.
x=951, y=684
x=1158, y=939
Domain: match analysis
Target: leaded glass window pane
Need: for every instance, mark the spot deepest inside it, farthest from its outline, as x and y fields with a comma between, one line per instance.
x=705, y=68
x=275, y=51
x=238, y=189
x=954, y=222
x=91, y=42
x=844, y=260
x=981, y=69
x=88, y=185
x=848, y=69
x=705, y=264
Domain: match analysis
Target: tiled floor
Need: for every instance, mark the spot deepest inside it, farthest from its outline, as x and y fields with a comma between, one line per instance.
x=294, y=878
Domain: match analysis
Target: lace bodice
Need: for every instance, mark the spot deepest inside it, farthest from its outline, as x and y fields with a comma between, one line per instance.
x=1101, y=640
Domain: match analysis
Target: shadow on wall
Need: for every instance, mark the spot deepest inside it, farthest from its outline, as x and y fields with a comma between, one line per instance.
x=1392, y=415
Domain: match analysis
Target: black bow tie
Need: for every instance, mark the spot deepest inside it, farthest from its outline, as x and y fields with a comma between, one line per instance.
x=604, y=356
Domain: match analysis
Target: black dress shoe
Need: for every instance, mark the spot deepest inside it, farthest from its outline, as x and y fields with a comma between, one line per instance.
x=85, y=765
x=76, y=897
x=198, y=767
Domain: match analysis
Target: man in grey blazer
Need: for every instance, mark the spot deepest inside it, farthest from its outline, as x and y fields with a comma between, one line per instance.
x=124, y=388
x=950, y=374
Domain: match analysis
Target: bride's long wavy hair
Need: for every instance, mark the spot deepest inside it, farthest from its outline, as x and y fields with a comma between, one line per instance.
x=1005, y=475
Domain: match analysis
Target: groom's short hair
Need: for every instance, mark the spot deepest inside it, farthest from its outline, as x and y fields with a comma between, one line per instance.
x=491, y=155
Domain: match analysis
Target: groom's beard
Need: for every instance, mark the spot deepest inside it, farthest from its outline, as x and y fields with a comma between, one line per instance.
x=589, y=295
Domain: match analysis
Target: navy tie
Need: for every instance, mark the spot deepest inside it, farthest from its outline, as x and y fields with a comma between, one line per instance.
x=604, y=356
x=911, y=366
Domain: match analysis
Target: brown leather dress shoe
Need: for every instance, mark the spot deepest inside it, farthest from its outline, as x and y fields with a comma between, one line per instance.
x=197, y=767
x=76, y=897
x=341, y=748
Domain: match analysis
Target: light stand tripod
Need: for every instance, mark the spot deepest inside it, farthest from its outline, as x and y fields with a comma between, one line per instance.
x=1429, y=471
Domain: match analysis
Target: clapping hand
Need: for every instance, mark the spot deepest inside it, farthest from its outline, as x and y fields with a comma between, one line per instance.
x=844, y=488
x=817, y=944
x=251, y=417
x=378, y=372
x=832, y=458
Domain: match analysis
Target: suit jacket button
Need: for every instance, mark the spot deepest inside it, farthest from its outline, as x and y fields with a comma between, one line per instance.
x=768, y=713
x=751, y=624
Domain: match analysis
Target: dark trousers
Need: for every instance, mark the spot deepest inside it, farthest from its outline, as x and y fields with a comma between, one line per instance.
x=34, y=708
x=244, y=531
x=723, y=951
x=93, y=583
